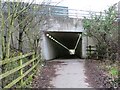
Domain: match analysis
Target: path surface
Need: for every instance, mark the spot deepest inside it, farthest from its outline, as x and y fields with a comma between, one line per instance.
x=70, y=75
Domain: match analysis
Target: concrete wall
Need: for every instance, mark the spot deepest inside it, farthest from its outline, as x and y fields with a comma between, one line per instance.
x=48, y=48
x=84, y=45
x=91, y=41
x=65, y=24
x=86, y=41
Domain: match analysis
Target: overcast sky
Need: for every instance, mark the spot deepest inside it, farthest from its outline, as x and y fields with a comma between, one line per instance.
x=92, y=5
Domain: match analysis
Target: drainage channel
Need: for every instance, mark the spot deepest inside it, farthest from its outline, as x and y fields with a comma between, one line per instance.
x=62, y=45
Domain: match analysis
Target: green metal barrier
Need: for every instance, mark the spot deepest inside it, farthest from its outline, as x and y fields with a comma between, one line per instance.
x=34, y=61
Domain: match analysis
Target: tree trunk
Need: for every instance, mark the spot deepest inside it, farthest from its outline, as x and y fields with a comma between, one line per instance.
x=20, y=41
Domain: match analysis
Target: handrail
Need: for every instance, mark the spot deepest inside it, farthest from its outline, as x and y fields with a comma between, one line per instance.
x=19, y=78
x=15, y=58
x=16, y=69
x=34, y=61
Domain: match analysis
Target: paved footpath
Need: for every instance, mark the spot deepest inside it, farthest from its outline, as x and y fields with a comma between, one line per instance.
x=70, y=75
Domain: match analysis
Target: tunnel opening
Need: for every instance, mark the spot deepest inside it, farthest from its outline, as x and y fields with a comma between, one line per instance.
x=62, y=45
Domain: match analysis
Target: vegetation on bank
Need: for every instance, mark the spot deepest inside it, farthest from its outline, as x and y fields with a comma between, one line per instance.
x=103, y=29
x=19, y=36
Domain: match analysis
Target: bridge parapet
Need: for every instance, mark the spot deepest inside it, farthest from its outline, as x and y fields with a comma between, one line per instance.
x=65, y=24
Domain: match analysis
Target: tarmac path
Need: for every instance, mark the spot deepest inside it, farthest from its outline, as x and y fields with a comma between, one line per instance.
x=71, y=74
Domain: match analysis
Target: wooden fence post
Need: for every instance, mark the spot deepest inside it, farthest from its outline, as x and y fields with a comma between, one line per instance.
x=33, y=56
x=90, y=48
x=21, y=70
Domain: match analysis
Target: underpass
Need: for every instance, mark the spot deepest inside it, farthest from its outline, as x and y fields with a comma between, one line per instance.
x=62, y=45
x=65, y=38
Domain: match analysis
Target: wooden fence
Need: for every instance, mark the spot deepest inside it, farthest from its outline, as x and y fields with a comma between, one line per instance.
x=91, y=52
x=94, y=53
x=32, y=63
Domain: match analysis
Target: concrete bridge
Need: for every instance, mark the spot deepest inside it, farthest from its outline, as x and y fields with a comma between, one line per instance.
x=64, y=37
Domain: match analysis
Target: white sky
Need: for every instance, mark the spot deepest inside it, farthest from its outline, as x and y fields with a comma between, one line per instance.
x=92, y=5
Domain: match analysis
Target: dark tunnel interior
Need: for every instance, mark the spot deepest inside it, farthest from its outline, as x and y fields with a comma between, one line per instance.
x=67, y=39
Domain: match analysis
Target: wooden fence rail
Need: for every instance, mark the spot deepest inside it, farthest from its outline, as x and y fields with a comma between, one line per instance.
x=94, y=53
x=33, y=62
x=90, y=50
